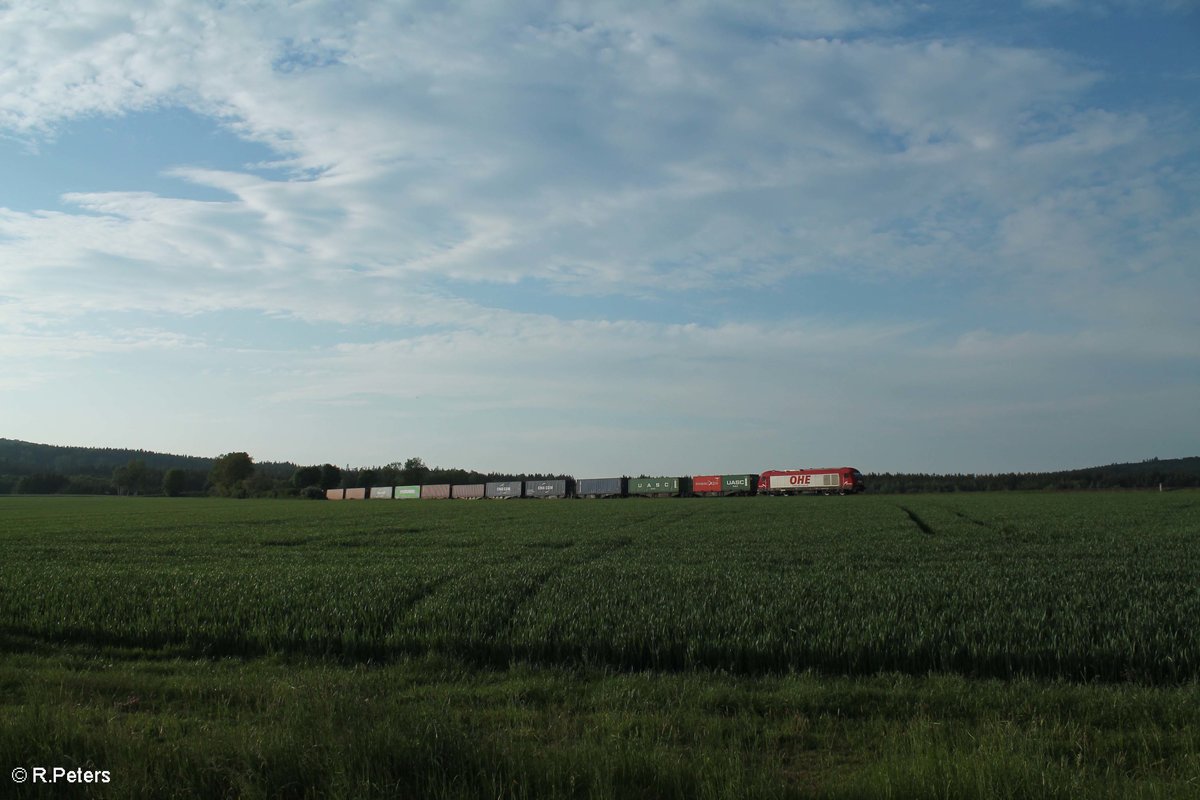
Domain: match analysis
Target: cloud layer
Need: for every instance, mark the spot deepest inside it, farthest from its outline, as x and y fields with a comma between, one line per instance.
x=878, y=232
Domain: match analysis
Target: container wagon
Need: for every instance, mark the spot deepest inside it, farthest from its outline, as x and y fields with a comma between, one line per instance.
x=359, y=493
x=381, y=493
x=467, y=491
x=828, y=480
x=335, y=494
x=602, y=487
x=435, y=491
x=724, y=485
x=406, y=492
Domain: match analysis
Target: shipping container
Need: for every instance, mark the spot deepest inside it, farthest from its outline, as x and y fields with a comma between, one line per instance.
x=467, y=491
x=657, y=487
x=335, y=494
x=724, y=485
x=359, y=493
x=601, y=487
x=549, y=488
x=502, y=489
x=739, y=484
x=381, y=493
x=406, y=492
x=435, y=491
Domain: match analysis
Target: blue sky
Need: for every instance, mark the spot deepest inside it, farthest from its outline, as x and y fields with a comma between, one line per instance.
x=607, y=237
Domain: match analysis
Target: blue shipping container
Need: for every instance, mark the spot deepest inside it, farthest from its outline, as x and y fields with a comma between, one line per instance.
x=550, y=488
x=601, y=487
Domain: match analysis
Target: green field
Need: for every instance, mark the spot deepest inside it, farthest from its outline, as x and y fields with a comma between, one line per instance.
x=1001, y=645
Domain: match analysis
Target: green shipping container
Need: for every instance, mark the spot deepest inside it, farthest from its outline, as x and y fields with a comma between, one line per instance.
x=654, y=485
x=739, y=484
x=407, y=493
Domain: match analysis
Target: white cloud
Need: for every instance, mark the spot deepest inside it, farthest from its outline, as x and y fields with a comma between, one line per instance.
x=1104, y=7
x=604, y=152
x=611, y=150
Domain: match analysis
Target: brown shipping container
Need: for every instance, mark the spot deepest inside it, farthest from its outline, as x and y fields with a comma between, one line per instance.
x=467, y=491
x=335, y=494
x=357, y=494
x=435, y=491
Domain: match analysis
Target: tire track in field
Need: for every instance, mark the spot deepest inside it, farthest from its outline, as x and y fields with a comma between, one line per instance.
x=971, y=519
x=921, y=524
x=503, y=647
x=492, y=643
x=542, y=578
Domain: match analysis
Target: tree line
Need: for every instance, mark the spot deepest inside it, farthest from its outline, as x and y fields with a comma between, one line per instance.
x=27, y=468
x=230, y=475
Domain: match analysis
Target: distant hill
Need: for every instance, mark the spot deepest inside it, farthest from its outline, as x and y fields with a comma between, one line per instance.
x=47, y=468
x=1171, y=473
x=24, y=458
x=1187, y=466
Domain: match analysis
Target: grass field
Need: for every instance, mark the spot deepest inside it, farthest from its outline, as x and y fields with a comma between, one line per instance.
x=1003, y=645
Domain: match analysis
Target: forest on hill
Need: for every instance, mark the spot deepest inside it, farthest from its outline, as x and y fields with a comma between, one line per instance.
x=1170, y=473
x=30, y=468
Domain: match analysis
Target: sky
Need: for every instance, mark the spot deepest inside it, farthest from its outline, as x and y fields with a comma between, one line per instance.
x=604, y=238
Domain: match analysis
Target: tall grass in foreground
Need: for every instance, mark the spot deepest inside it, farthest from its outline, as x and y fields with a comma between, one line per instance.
x=436, y=728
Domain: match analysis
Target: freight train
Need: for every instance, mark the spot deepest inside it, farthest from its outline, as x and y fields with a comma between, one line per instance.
x=830, y=480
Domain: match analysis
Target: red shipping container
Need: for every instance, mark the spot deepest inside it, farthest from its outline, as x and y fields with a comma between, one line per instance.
x=706, y=483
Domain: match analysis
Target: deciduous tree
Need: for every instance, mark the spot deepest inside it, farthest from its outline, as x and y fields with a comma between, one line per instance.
x=230, y=472
x=306, y=476
x=173, y=482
